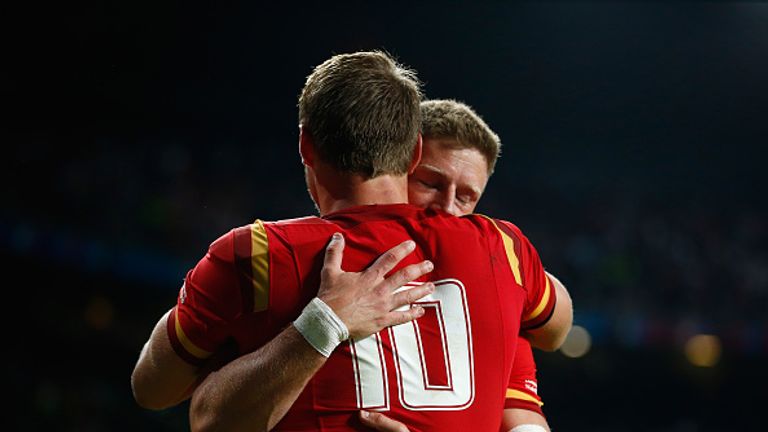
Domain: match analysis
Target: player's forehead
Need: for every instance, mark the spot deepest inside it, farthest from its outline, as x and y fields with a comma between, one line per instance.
x=463, y=166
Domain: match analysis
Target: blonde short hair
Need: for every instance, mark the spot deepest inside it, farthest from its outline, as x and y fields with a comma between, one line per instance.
x=362, y=112
x=449, y=118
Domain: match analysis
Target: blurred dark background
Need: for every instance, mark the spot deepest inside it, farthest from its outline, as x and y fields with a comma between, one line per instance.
x=135, y=133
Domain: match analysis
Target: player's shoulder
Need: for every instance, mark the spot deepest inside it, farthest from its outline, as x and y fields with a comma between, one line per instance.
x=299, y=221
x=225, y=246
x=499, y=224
x=240, y=241
x=300, y=226
x=263, y=225
x=298, y=233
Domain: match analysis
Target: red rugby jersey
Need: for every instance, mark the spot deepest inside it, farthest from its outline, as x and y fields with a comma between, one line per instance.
x=446, y=371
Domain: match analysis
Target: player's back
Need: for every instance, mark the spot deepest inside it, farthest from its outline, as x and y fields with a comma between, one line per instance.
x=446, y=371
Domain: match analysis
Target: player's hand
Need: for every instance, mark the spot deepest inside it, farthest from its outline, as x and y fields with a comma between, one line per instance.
x=366, y=301
x=380, y=422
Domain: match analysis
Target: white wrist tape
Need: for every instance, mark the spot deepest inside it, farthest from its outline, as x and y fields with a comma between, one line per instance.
x=528, y=428
x=321, y=327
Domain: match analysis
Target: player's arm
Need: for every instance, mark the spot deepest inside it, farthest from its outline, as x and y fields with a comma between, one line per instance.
x=255, y=391
x=548, y=311
x=523, y=420
x=162, y=379
x=186, y=342
x=551, y=335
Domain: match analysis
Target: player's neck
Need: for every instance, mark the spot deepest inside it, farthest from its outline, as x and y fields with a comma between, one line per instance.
x=347, y=191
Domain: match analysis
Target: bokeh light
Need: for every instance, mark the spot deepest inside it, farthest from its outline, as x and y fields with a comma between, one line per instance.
x=578, y=342
x=703, y=350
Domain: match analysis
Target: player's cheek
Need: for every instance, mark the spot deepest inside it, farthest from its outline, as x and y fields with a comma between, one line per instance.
x=418, y=196
x=467, y=208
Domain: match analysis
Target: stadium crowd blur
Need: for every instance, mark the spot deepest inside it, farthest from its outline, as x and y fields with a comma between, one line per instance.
x=644, y=195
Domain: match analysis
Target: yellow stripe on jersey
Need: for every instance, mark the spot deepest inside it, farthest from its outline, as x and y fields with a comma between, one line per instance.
x=187, y=344
x=509, y=245
x=260, y=266
x=543, y=303
x=517, y=394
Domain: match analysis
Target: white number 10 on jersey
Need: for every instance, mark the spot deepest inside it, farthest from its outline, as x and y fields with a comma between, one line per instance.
x=431, y=375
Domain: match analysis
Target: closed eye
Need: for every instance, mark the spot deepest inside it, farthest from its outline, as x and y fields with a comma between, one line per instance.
x=428, y=184
x=466, y=200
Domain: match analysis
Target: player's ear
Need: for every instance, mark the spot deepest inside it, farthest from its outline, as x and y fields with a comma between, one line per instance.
x=416, y=158
x=306, y=147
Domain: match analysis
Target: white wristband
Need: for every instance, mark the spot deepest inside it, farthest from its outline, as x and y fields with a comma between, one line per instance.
x=528, y=428
x=321, y=327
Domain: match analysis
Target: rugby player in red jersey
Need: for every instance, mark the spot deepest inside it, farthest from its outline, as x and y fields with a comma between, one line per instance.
x=459, y=155
x=359, y=138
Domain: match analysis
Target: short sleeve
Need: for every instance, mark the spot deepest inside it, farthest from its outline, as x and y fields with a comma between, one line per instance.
x=529, y=271
x=522, y=390
x=208, y=301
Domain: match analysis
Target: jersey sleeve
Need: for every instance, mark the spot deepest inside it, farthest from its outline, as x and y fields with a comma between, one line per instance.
x=213, y=296
x=529, y=272
x=522, y=390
